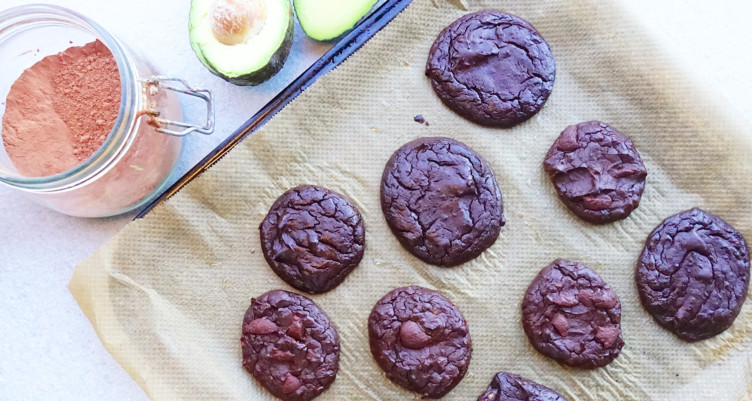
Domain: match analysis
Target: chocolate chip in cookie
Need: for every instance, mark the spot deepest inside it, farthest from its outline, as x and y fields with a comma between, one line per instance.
x=571, y=315
x=289, y=345
x=420, y=339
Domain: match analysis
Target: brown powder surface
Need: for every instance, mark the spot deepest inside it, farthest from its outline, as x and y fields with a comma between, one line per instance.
x=61, y=109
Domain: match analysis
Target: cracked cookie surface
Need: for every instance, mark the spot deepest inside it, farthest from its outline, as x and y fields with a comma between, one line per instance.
x=511, y=387
x=492, y=68
x=441, y=201
x=312, y=238
x=571, y=315
x=289, y=345
x=596, y=171
x=693, y=274
x=420, y=339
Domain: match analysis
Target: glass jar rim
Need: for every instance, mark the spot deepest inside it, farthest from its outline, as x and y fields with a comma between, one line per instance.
x=117, y=138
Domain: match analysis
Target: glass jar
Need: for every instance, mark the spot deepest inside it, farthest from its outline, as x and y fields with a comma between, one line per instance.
x=137, y=159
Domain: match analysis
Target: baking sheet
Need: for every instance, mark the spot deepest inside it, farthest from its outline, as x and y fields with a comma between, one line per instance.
x=167, y=295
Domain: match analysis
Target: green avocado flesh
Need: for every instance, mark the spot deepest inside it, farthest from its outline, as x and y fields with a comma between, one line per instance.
x=257, y=56
x=328, y=19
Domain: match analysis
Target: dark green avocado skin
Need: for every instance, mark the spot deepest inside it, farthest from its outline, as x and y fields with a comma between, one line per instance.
x=270, y=69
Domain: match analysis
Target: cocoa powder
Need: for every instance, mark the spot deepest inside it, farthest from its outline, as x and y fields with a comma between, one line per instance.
x=61, y=109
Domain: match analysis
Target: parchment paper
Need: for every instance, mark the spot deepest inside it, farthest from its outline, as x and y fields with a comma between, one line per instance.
x=168, y=294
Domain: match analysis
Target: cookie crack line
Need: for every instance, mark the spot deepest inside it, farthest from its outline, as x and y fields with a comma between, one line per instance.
x=422, y=193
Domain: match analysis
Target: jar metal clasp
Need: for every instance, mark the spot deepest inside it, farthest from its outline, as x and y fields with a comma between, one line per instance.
x=151, y=87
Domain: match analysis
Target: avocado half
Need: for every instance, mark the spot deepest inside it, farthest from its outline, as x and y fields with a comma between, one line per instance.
x=327, y=19
x=244, y=42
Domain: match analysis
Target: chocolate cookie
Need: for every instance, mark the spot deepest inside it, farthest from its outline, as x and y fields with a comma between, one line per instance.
x=420, y=339
x=312, y=238
x=693, y=274
x=289, y=345
x=509, y=387
x=571, y=315
x=597, y=172
x=441, y=200
x=492, y=68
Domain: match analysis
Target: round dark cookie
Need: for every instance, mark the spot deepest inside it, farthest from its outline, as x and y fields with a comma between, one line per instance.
x=441, y=200
x=492, y=68
x=597, y=172
x=571, y=315
x=693, y=274
x=312, y=238
x=289, y=345
x=511, y=387
x=420, y=339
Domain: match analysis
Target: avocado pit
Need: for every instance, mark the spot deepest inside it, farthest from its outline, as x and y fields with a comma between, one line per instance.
x=233, y=21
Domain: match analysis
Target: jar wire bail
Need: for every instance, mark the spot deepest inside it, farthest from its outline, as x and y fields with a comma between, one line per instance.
x=152, y=85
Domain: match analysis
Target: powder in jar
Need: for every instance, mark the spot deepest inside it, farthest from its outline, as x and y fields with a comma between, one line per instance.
x=61, y=109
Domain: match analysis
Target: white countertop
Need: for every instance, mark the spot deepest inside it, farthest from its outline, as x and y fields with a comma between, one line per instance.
x=48, y=348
